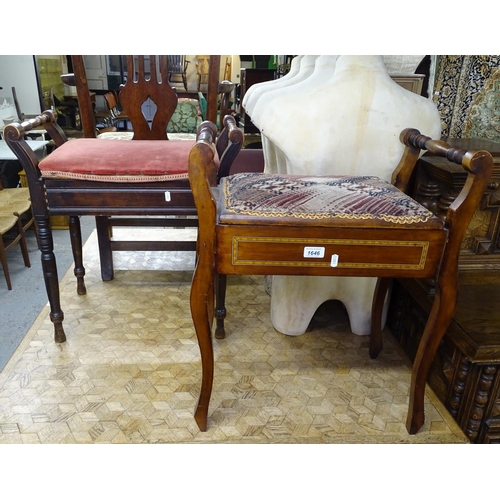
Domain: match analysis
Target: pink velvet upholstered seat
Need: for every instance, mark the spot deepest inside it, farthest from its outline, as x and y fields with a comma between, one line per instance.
x=118, y=161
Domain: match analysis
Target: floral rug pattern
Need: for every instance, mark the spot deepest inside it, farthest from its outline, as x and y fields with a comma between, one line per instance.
x=467, y=96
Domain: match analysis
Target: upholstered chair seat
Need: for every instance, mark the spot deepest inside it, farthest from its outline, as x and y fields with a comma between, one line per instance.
x=110, y=161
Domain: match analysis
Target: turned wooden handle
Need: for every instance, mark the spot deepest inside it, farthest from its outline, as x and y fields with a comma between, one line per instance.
x=207, y=132
x=470, y=160
x=14, y=131
x=235, y=134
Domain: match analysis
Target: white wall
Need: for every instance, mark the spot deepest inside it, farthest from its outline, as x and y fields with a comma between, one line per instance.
x=19, y=71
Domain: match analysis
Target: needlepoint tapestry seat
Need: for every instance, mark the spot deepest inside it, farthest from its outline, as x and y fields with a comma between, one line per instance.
x=331, y=200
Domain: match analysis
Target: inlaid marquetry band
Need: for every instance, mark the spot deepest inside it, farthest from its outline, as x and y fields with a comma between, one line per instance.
x=237, y=260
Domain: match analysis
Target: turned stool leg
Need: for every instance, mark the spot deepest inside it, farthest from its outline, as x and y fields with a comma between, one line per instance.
x=75, y=233
x=439, y=319
x=377, y=311
x=49, y=268
x=103, y=226
x=220, y=305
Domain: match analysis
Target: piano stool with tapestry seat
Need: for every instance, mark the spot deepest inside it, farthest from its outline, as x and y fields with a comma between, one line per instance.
x=272, y=224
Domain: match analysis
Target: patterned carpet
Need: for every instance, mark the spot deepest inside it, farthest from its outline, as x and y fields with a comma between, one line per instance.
x=466, y=94
x=130, y=371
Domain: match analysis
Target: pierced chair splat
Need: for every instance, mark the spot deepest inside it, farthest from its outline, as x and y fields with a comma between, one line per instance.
x=265, y=224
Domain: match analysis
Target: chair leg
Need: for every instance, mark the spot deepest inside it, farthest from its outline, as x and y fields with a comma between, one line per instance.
x=379, y=295
x=439, y=319
x=22, y=242
x=201, y=311
x=3, y=259
x=75, y=233
x=220, y=305
x=49, y=268
x=103, y=226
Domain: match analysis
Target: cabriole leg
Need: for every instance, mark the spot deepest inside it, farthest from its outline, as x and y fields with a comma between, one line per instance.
x=201, y=291
x=439, y=319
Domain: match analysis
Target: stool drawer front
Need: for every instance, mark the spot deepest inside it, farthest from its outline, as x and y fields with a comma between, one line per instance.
x=392, y=252
x=140, y=197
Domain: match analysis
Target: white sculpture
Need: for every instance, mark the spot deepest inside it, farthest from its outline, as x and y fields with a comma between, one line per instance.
x=347, y=122
x=255, y=91
x=269, y=92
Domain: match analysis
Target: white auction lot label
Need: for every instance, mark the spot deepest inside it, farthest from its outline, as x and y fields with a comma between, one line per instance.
x=314, y=252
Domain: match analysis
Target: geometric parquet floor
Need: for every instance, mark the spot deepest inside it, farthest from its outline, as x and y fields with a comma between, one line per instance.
x=130, y=370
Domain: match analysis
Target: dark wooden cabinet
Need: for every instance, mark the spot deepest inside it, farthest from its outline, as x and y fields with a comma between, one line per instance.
x=249, y=77
x=465, y=372
x=438, y=182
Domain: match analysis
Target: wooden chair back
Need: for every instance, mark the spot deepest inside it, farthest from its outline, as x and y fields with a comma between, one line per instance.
x=138, y=89
x=177, y=65
x=110, y=98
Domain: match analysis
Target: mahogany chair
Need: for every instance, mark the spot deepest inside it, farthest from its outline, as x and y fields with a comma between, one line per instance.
x=271, y=224
x=16, y=216
x=133, y=94
x=17, y=200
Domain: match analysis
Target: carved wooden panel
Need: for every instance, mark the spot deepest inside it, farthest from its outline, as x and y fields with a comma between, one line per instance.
x=438, y=182
x=465, y=373
x=482, y=396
